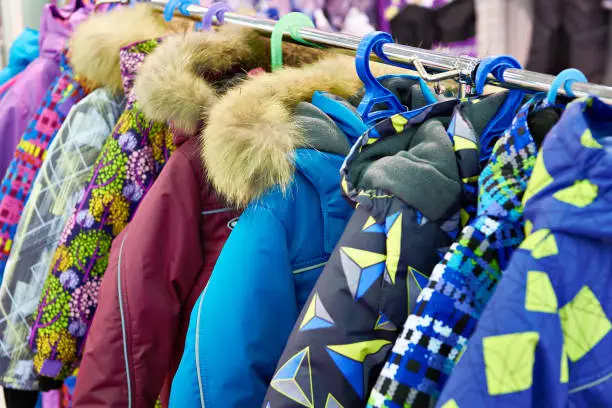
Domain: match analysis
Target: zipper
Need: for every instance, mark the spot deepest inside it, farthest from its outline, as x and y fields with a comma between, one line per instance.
x=123, y=324
x=309, y=268
x=197, y=350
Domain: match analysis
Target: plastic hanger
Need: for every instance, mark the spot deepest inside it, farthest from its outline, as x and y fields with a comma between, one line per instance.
x=181, y=5
x=565, y=79
x=505, y=114
x=375, y=95
x=293, y=23
x=217, y=10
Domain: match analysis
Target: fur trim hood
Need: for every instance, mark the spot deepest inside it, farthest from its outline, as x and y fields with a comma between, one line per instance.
x=251, y=133
x=180, y=81
x=95, y=44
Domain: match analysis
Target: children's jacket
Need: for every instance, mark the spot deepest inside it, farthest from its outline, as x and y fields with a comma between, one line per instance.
x=63, y=174
x=23, y=51
x=23, y=99
x=28, y=158
x=544, y=339
x=345, y=330
x=130, y=160
x=265, y=145
x=388, y=249
x=174, y=239
x=448, y=309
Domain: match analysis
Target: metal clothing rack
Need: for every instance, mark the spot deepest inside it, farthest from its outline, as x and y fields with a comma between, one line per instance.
x=431, y=65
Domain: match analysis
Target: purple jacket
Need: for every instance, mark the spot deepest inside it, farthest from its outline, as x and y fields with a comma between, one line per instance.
x=25, y=96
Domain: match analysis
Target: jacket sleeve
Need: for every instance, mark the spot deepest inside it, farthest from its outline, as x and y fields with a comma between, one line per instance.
x=152, y=269
x=517, y=356
x=242, y=320
x=446, y=313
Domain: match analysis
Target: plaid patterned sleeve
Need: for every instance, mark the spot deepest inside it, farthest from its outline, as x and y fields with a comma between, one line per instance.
x=460, y=286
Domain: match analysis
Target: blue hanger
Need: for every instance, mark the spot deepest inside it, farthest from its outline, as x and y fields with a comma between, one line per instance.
x=182, y=6
x=375, y=93
x=504, y=116
x=565, y=79
x=215, y=10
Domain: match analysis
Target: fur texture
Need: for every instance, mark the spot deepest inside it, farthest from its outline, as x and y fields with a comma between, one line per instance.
x=171, y=85
x=95, y=44
x=248, y=142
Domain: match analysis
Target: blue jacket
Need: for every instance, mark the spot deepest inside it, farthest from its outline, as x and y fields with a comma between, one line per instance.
x=268, y=266
x=545, y=337
x=23, y=51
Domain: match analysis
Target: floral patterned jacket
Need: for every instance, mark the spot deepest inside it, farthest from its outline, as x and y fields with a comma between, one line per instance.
x=129, y=163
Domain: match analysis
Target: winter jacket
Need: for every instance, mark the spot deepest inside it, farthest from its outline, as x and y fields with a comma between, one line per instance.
x=448, y=309
x=129, y=163
x=569, y=33
x=149, y=332
x=63, y=94
x=63, y=174
x=350, y=312
x=401, y=227
x=23, y=99
x=544, y=338
x=125, y=169
x=23, y=51
x=265, y=145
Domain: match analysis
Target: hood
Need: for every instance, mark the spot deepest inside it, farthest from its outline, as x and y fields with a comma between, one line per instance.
x=252, y=133
x=183, y=77
x=95, y=44
x=570, y=190
x=24, y=49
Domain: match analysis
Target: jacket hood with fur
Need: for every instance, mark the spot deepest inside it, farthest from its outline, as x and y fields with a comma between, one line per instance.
x=95, y=44
x=183, y=77
x=251, y=134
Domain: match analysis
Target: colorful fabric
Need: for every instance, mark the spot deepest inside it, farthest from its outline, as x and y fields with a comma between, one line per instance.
x=544, y=338
x=460, y=286
x=128, y=165
x=63, y=174
x=388, y=249
x=23, y=99
x=31, y=152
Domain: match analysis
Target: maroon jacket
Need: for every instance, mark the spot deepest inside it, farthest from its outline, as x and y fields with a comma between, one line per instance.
x=158, y=267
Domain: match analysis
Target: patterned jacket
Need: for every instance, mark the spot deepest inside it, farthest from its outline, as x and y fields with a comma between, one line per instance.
x=544, y=338
x=129, y=163
x=62, y=95
x=460, y=286
x=64, y=172
x=380, y=264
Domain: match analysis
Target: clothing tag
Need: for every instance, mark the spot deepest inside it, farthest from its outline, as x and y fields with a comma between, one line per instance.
x=256, y=72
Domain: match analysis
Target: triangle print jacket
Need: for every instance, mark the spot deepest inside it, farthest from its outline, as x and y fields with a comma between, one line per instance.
x=382, y=261
x=545, y=337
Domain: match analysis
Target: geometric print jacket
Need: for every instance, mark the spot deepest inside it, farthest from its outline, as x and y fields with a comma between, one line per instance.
x=62, y=95
x=366, y=290
x=545, y=337
x=460, y=286
x=128, y=165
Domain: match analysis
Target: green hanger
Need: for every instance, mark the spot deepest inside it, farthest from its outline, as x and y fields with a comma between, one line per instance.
x=293, y=23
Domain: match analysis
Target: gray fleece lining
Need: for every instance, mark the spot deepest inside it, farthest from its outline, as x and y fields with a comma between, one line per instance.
x=322, y=133
x=423, y=172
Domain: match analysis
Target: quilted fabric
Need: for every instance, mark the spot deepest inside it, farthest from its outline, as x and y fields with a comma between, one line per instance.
x=448, y=309
x=130, y=161
x=545, y=336
x=31, y=152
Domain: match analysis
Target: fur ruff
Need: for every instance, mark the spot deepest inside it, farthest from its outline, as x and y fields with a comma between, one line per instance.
x=95, y=44
x=171, y=85
x=250, y=136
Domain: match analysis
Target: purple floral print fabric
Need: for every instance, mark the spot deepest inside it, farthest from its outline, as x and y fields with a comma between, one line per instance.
x=129, y=163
